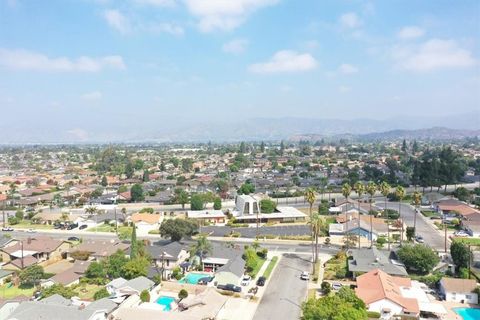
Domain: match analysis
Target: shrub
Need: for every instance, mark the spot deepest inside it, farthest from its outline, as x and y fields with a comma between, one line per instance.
x=145, y=296
x=102, y=293
x=146, y=210
x=341, y=273
x=326, y=288
x=262, y=253
x=80, y=255
x=182, y=294
x=267, y=206
x=373, y=314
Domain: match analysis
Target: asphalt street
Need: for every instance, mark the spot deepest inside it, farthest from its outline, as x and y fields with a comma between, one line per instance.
x=293, y=230
x=432, y=236
x=286, y=291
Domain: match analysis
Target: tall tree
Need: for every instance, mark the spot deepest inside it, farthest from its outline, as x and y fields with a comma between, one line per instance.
x=385, y=190
x=400, y=193
x=310, y=198
x=417, y=200
x=201, y=248
x=346, y=191
x=371, y=189
x=360, y=190
x=133, y=243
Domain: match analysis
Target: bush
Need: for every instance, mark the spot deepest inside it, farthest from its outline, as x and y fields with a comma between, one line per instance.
x=373, y=315
x=100, y=294
x=418, y=257
x=145, y=296
x=146, y=210
x=326, y=287
x=12, y=220
x=341, y=273
x=262, y=253
x=80, y=255
x=182, y=294
x=267, y=206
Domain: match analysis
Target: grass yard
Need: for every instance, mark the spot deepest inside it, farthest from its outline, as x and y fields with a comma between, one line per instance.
x=86, y=291
x=271, y=265
x=336, y=268
x=109, y=228
x=258, y=265
x=12, y=292
x=468, y=241
x=429, y=213
x=26, y=224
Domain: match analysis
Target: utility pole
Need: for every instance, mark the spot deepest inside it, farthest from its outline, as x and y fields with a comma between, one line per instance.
x=445, y=229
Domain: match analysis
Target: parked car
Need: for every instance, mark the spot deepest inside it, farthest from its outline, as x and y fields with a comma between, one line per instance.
x=461, y=233
x=83, y=226
x=229, y=287
x=246, y=280
x=337, y=286
x=305, y=275
x=73, y=239
x=72, y=226
x=261, y=281
x=31, y=230
x=7, y=229
x=419, y=239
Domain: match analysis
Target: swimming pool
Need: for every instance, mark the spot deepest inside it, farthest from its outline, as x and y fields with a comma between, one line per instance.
x=192, y=278
x=166, y=302
x=468, y=313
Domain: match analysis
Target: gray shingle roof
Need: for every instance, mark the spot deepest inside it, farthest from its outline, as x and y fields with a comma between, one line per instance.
x=139, y=284
x=366, y=259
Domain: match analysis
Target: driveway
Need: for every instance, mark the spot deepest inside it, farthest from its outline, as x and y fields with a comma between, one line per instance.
x=433, y=237
x=286, y=291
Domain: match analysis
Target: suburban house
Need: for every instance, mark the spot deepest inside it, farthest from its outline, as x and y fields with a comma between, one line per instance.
x=7, y=306
x=4, y=275
x=364, y=260
x=100, y=249
x=208, y=216
x=382, y=293
x=247, y=210
x=70, y=276
x=351, y=224
x=168, y=256
x=121, y=287
x=18, y=255
x=454, y=207
x=145, y=222
x=56, y=307
x=396, y=296
x=459, y=290
x=472, y=227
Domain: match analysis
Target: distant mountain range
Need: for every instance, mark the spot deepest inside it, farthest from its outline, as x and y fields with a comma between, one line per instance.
x=154, y=130
x=436, y=133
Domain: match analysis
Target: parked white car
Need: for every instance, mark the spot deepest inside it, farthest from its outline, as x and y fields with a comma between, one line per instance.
x=461, y=233
x=305, y=275
x=337, y=286
x=245, y=280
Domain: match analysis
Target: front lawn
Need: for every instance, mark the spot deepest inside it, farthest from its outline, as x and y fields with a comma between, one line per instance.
x=429, y=213
x=27, y=224
x=7, y=292
x=336, y=268
x=258, y=265
x=468, y=241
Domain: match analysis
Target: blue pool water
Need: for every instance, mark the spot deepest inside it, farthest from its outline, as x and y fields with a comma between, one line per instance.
x=468, y=313
x=192, y=278
x=165, y=301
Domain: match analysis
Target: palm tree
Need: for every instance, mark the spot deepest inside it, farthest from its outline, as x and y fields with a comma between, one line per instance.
x=400, y=193
x=359, y=189
x=317, y=225
x=346, y=190
x=310, y=198
x=201, y=248
x=417, y=199
x=385, y=190
x=371, y=189
x=91, y=211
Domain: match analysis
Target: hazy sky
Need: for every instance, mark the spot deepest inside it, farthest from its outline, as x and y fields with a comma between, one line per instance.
x=82, y=63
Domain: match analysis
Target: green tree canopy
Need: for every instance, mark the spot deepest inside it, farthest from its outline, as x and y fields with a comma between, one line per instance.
x=418, y=257
x=31, y=275
x=176, y=229
x=267, y=206
x=135, y=268
x=136, y=193
x=342, y=306
x=460, y=254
